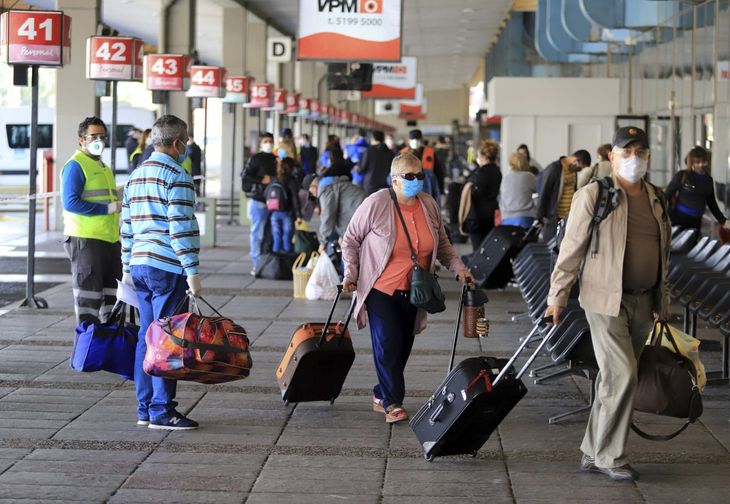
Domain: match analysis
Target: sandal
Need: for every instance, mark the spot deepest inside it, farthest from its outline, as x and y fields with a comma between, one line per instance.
x=378, y=405
x=395, y=413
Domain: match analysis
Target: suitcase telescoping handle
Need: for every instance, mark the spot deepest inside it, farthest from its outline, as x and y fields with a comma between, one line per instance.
x=525, y=342
x=332, y=311
x=456, y=330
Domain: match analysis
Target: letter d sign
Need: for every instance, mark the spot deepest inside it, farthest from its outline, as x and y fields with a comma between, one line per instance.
x=278, y=49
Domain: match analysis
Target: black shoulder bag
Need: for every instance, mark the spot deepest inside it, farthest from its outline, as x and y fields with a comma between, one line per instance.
x=425, y=290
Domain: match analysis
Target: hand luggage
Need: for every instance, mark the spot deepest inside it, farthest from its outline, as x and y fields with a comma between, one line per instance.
x=317, y=360
x=193, y=347
x=275, y=266
x=107, y=347
x=490, y=264
x=470, y=403
x=305, y=242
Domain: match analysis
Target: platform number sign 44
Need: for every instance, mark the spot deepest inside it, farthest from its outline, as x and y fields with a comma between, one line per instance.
x=204, y=78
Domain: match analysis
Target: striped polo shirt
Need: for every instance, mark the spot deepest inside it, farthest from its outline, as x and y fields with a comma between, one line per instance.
x=159, y=228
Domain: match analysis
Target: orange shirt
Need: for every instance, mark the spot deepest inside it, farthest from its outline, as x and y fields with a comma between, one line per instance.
x=397, y=273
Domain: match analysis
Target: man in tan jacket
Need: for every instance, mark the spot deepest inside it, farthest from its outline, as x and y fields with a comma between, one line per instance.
x=623, y=287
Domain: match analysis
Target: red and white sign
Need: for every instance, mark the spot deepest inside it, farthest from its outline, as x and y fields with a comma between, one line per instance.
x=262, y=96
x=167, y=72
x=280, y=99
x=138, y=67
x=113, y=58
x=315, y=109
x=350, y=30
x=394, y=80
x=292, y=103
x=237, y=89
x=207, y=82
x=304, y=105
x=35, y=38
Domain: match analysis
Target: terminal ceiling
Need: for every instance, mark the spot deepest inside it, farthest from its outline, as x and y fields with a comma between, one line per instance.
x=450, y=38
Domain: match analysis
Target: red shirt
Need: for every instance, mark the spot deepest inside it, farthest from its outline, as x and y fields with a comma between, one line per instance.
x=397, y=273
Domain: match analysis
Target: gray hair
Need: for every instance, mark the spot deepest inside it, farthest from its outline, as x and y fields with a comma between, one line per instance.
x=402, y=161
x=167, y=129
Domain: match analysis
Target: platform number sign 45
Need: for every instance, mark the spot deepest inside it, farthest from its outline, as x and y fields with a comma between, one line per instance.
x=35, y=37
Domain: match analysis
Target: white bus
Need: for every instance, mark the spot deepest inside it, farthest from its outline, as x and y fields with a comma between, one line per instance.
x=15, y=135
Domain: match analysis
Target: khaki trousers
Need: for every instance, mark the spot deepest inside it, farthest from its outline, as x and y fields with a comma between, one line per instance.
x=618, y=342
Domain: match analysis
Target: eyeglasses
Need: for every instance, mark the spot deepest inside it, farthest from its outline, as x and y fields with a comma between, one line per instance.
x=97, y=136
x=639, y=153
x=412, y=176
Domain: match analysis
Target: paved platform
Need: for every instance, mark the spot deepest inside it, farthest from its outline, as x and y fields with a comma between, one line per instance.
x=71, y=437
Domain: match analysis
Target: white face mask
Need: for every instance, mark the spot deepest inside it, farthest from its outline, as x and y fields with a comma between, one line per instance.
x=414, y=143
x=95, y=148
x=267, y=147
x=633, y=169
x=389, y=142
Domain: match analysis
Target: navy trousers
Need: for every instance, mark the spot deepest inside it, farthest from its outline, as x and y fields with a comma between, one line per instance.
x=392, y=322
x=159, y=293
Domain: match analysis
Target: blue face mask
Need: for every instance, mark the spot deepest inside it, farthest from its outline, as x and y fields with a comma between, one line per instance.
x=282, y=153
x=411, y=187
x=182, y=157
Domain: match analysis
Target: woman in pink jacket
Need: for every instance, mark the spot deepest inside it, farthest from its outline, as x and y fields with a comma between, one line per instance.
x=378, y=267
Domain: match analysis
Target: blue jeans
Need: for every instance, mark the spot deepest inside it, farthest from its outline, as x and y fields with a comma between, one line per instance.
x=257, y=214
x=158, y=292
x=392, y=322
x=282, y=229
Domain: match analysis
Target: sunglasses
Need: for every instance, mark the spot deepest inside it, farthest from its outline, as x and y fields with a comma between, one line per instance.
x=412, y=176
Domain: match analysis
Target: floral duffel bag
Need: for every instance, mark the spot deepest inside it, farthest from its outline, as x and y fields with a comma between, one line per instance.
x=194, y=347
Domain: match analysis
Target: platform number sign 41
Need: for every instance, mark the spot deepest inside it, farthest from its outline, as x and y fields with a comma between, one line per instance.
x=35, y=38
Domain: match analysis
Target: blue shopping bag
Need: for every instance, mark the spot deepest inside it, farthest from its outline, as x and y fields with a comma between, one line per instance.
x=107, y=347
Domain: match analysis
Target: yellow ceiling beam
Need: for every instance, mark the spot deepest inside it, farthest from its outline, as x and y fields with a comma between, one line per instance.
x=524, y=5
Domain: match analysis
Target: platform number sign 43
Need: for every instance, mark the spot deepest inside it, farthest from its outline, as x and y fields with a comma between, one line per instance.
x=165, y=66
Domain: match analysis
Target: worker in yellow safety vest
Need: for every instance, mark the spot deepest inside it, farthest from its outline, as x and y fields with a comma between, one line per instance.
x=91, y=225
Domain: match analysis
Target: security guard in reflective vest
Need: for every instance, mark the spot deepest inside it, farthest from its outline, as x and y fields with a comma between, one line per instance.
x=91, y=225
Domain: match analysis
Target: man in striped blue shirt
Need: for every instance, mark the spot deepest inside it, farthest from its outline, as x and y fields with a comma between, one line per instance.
x=160, y=245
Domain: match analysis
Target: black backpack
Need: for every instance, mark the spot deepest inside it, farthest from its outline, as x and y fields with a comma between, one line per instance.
x=277, y=198
x=606, y=202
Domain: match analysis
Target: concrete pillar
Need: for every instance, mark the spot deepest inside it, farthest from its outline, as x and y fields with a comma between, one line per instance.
x=177, y=36
x=75, y=98
x=256, y=67
x=233, y=58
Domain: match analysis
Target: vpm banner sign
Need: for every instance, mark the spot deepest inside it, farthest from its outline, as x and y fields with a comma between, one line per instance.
x=350, y=30
x=394, y=80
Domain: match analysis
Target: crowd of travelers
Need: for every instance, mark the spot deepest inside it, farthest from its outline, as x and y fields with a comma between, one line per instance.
x=381, y=203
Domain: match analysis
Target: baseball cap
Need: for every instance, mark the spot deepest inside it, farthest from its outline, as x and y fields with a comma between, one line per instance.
x=416, y=133
x=630, y=134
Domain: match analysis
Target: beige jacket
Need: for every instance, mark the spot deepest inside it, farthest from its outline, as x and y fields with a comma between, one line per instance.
x=601, y=280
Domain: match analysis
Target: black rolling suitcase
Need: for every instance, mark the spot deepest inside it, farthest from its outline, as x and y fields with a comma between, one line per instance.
x=471, y=402
x=317, y=360
x=490, y=264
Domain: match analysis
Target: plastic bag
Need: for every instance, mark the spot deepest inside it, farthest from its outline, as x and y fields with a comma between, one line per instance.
x=323, y=282
x=689, y=347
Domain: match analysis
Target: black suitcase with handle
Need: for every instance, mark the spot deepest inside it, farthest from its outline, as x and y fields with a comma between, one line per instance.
x=471, y=402
x=491, y=263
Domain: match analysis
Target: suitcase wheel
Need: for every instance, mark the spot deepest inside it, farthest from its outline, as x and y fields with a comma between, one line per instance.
x=474, y=454
x=286, y=402
x=332, y=401
x=429, y=458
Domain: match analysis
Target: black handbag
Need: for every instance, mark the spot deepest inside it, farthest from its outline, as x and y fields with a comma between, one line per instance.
x=275, y=267
x=667, y=384
x=425, y=290
x=305, y=242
